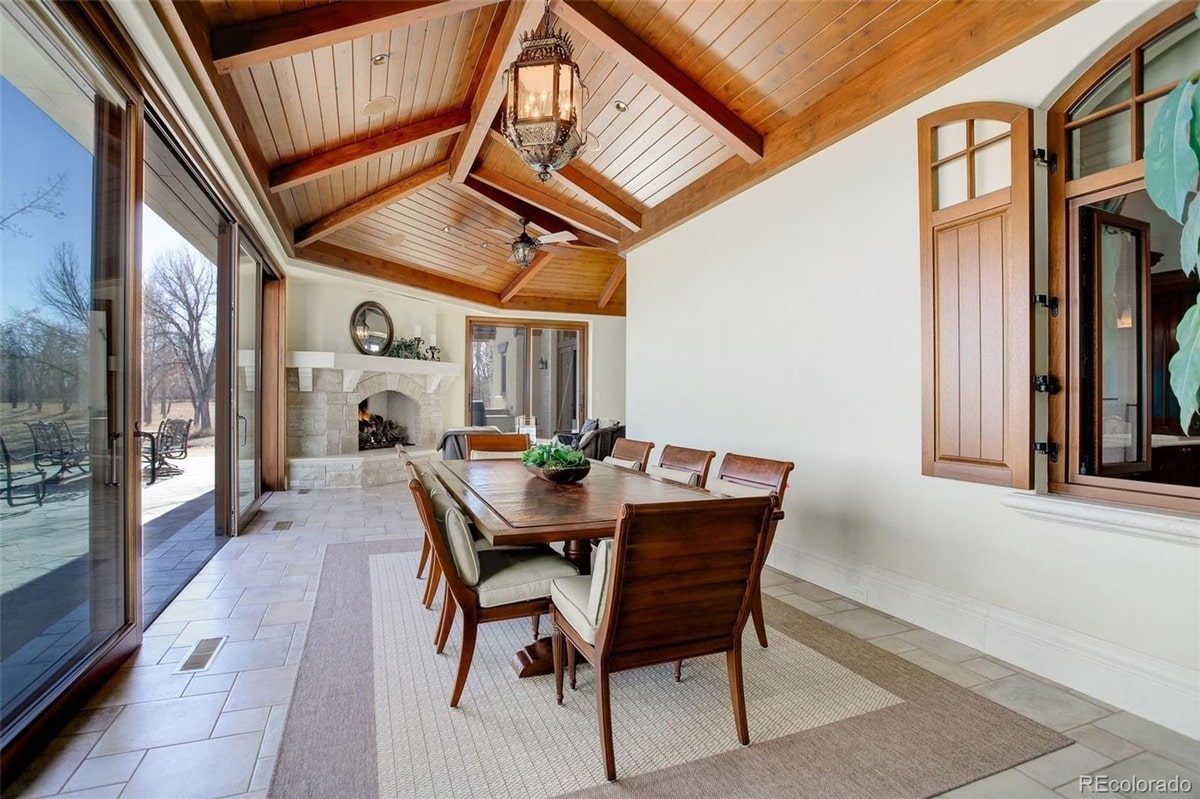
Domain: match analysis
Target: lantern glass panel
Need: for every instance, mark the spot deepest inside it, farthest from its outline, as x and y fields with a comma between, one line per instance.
x=566, y=77
x=535, y=91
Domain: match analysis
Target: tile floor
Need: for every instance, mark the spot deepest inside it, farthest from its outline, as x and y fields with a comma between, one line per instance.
x=153, y=733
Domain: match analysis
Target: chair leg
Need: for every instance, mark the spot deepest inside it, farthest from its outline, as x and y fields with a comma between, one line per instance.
x=678, y=670
x=737, y=693
x=435, y=576
x=464, y=658
x=756, y=611
x=447, y=620
x=571, y=655
x=424, y=557
x=537, y=620
x=556, y=644
x=604, y=712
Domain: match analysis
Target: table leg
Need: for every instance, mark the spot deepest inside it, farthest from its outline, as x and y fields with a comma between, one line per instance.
x=538, y=657
x=579, y=553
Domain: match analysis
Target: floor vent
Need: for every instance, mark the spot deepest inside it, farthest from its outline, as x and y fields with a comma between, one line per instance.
x=304, y=491
x=202, y=654
x=282, y=526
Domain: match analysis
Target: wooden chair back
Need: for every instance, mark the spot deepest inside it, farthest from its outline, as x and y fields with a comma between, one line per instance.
x=627, y=449
x=681, y=578
x=461, y=592
x=484, y=445
x=756, y=473
x=696, y=461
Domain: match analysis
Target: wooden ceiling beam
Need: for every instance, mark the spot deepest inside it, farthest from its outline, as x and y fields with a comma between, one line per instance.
x=508, y=204
x=574, y=215
x=520, y=16
x=610, y=288
x=591, y=183
x=285, y=176
x=400, y=273
x=283, y=35
x=320, y=228
x=946, y=42
x=527, y=274
x=605, y=32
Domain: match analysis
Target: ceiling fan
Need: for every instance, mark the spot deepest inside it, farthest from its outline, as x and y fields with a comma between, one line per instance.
x=524, y=246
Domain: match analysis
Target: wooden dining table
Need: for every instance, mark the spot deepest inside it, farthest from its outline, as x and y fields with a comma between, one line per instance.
x=510, y=505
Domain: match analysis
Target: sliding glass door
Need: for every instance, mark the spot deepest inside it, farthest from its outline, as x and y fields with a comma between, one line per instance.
x=68, y=335
x=246, y=379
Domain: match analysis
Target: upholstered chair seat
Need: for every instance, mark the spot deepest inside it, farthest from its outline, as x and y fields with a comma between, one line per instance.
x=515, y=575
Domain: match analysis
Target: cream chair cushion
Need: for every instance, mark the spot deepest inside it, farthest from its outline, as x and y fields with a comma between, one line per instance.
x=581, y=599
x=457, y=532
x=517, y=575
x=677, y=475
x=624, y=464
x=477, y=455
x=730, y=489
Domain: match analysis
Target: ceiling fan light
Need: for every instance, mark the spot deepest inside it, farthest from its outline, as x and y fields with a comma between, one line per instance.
x=524, y=249
x=543, y=112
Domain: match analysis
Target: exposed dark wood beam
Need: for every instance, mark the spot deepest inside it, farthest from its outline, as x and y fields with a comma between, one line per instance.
x=591, y=183
x=508, y=204
x=249, y=43
x=287, y=175
x=320, y=228
x=520, y=16
x=527, y=274
x=408, y=275
x=605, y=32
x=942, y=44
x=576, y=216
x=610, y=287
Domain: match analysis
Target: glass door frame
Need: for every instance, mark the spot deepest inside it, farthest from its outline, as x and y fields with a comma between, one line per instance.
x=266, y=276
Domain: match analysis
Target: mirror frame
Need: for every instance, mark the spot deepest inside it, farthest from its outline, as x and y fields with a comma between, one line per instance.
x=371, y=305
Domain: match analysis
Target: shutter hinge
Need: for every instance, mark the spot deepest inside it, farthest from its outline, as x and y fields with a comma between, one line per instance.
x=1047, y=448
x=1048, y=160
x=1050, y=303
x=1046, y=384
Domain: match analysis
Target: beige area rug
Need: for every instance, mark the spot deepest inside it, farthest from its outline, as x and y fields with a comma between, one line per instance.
x=830, y=715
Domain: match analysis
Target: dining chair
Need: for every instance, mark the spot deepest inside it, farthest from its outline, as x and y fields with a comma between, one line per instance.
x=432, y=486
x=741, y=476
x=493, y=446
x=487, y=585
x=655, y=596
x=683, y=465
x=630, y=454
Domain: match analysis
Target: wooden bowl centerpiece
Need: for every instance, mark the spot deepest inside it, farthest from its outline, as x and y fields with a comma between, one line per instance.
x=556, y=463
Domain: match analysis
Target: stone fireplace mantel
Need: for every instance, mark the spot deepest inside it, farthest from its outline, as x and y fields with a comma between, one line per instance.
x=353, y=365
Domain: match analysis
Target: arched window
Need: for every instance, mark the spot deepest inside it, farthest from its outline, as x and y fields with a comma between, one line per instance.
x=1114, y=266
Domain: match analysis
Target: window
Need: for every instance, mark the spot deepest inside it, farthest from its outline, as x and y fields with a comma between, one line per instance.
x=975, y=286
x=1115, y=269
x=526, y=368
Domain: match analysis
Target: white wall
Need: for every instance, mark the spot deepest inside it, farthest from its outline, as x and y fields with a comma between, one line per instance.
x=801, y=299
x=319, y=305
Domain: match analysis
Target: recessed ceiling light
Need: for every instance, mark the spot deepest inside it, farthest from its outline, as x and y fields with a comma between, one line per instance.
x=446, y=228
x=484, y=245
x=379, y=105
x=379, y=59
x=621, y=105
x=393, y=240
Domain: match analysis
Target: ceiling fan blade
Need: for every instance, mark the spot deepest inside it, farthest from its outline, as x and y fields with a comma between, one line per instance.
x=512, y=257
x=554, y=248
x=554, y=238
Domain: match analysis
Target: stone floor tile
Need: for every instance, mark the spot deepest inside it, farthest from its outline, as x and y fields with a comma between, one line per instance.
x=103, y=792
x=171, y=721
x=944, y=668
x=201, y=769
x=1149, y=766
x=237, y=656
x=846, y=604
x=275, y=631
x=239, y=721
x=941, y=646
x=1154, y=738
x=893, y=643
x=805, y=605
x=262, y=687
x=92, y=720
x=263, y=771
x=814, y=592
x=1059, y=768
x=273, y=735
x=141, y=684
x=50, y=770
x=777, y=590
x=1103, y=742
x=198, y=609
x=241, y=629
x=1010, y=784
x=1043, y=703
x=863, y=623
x=106, y=770
x=206, y=683
x=771, y=576
x=288, y=612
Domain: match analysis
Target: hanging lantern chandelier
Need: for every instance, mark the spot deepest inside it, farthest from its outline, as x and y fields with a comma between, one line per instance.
x=543, y=112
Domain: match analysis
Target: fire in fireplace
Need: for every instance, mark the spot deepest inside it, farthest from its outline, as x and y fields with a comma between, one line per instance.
x=376, y=432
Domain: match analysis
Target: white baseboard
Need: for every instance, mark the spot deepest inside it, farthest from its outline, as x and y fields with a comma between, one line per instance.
x=1162, y=692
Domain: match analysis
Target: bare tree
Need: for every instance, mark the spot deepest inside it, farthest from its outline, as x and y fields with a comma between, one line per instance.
x=44, y=199
x=181, y=306
x=62, y=287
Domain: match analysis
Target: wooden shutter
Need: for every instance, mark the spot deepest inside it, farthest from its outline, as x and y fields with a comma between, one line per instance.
x=976, y=288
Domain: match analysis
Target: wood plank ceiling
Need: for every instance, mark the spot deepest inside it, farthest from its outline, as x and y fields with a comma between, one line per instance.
x=393, y=167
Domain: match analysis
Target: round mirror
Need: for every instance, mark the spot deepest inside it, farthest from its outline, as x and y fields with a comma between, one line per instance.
x=371, y=329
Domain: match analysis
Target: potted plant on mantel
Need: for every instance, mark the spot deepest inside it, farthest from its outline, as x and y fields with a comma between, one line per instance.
x=1172, y=175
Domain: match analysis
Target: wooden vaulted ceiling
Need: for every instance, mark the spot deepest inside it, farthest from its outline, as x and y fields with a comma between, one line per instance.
x=718, y=95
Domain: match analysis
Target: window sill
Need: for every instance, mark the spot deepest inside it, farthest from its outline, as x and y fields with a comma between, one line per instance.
x=1174, y=528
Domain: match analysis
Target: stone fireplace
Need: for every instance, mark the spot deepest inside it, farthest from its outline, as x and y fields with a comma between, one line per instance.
x=325, y=392
x=386, y=419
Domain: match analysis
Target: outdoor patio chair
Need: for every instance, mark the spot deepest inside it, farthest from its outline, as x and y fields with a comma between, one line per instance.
x=32, y=480
x=55, y=445
x=170, y=443
x=655, y=596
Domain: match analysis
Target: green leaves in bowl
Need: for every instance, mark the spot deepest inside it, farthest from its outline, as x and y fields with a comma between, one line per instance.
x=552, y=456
